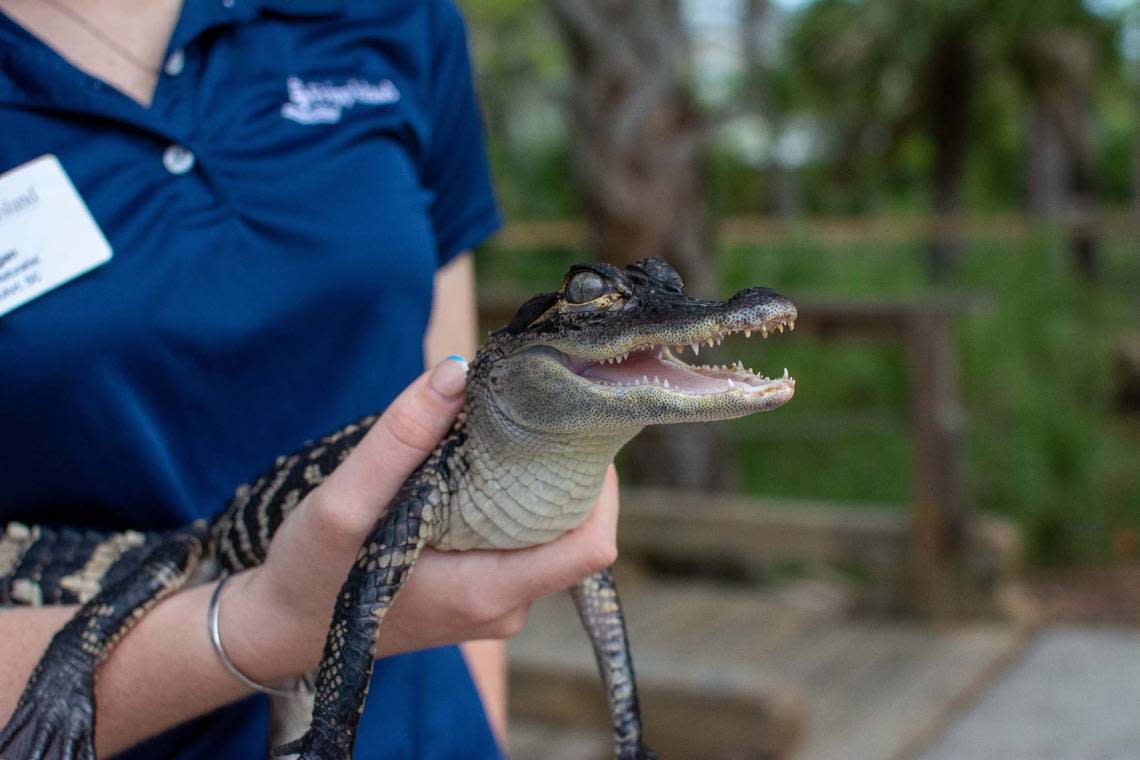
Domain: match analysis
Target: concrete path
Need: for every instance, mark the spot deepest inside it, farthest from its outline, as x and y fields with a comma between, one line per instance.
x=1074, y=695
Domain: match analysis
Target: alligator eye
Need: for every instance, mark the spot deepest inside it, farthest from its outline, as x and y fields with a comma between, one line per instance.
x=585, y=287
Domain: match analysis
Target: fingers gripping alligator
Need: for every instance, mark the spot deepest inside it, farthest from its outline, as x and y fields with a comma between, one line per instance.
x=551, y=398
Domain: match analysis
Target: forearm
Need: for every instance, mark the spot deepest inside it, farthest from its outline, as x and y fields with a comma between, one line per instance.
x=165, y=671
x=274, y=618
x=25, y=633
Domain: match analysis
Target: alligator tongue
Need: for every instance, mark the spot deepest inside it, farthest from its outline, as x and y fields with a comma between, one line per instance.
x=644, y=366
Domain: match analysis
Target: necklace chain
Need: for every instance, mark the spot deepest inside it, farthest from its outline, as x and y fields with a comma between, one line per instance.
x=125, y=53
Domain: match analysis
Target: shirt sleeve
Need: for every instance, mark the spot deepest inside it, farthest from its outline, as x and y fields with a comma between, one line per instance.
x=455, y=170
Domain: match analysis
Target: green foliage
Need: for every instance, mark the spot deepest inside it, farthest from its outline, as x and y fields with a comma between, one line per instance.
x=521, y=76
x=856, y=75
x=1037, y=371
x=867, y=73
x=1044, y=444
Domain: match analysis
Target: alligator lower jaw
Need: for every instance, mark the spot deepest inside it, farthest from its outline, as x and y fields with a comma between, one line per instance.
x=658, y=366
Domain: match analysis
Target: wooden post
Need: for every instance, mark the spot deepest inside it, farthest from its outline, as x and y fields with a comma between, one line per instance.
x=940, y=523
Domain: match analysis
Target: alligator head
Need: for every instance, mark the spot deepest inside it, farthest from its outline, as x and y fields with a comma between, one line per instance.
x=604, y=352
x=578, y=372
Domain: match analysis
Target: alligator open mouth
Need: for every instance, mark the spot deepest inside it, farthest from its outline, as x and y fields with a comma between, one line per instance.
x=660, y=365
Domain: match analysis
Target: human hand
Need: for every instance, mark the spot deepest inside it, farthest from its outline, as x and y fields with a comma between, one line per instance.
x=460, y=596
x=275, y=617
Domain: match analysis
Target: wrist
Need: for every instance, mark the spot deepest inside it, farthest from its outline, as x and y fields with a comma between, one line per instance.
x=263, y=635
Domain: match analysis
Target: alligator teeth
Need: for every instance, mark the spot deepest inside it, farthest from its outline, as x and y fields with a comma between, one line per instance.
x=786, y=375
x=711, y=342
x=739, y=366
x=780, y=327
x=748, y=333
x=764, y=332
x=666, y=383
x=730, y=383
x=645, y=379
x=696, y=348
x=791, y=325
x=656, y=380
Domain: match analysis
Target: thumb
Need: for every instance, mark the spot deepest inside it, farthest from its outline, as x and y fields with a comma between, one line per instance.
x=409, y=429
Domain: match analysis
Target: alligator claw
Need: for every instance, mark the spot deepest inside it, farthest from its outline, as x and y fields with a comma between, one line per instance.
x=318, y=744
x=54, y=719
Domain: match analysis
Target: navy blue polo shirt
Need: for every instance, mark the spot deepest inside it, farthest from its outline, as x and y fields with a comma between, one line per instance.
x=277, y=217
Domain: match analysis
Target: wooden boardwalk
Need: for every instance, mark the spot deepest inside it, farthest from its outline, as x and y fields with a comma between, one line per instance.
x=735, y=673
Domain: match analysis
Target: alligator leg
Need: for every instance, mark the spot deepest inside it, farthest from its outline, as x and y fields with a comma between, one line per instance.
x=380, y=570
x=599, y=608
x=55, y=716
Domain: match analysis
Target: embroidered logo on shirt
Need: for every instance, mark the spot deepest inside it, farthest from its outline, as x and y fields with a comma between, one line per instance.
x=323, y=102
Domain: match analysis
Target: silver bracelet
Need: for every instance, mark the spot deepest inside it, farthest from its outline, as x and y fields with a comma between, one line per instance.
x=216, y=640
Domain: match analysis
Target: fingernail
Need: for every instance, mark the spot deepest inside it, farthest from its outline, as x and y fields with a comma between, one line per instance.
x=449, y=377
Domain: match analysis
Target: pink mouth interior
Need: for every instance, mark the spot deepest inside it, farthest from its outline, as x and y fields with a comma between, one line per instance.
x=656, y=366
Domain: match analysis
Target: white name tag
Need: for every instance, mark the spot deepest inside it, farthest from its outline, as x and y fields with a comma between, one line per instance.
x=47, y=235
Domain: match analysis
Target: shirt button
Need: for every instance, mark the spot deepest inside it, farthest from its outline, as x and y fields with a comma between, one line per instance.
x=175, y=64
x=177, y=160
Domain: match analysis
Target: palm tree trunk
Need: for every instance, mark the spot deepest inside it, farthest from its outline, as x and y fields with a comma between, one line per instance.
x=636, y=141
x=950, y=91
x=636, y=133
x=1059, y=72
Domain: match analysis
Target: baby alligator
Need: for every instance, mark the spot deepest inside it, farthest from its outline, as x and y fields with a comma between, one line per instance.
x=550, y=399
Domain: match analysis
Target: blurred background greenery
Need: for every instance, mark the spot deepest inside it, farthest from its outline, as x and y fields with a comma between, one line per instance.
x=886, y=151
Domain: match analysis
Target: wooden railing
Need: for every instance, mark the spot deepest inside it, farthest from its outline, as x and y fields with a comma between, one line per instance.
x=755, y=230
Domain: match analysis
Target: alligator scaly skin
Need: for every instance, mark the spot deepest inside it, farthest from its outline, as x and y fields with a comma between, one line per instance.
x=119, y=577
x=599, y=608
x=521, y=465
